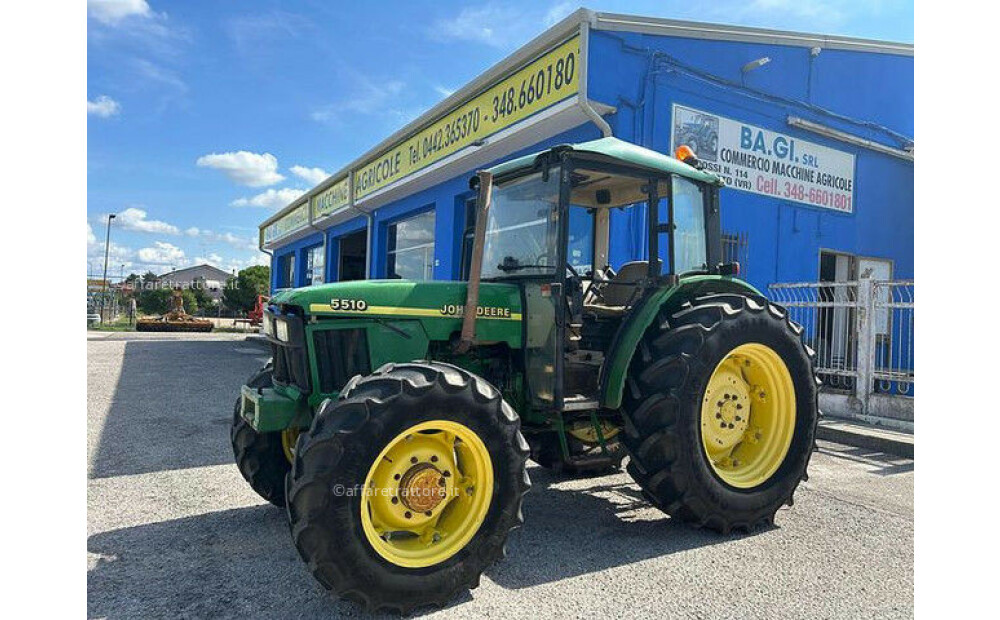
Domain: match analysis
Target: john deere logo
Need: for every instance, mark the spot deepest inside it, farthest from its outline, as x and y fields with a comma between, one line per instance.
x=487, y=311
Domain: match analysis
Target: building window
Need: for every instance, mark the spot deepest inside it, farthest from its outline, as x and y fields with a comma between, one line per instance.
x=411, y=248
x=314, y=265
x=286, y=271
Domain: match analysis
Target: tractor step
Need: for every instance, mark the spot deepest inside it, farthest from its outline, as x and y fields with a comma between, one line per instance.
x=580, y=403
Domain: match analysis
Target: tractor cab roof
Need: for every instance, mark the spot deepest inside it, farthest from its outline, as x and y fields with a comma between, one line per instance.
x=611, y=150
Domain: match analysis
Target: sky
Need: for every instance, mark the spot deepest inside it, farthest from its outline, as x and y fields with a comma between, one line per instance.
x=204, y=118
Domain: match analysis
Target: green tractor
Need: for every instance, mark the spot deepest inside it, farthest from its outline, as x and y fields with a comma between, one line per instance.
x=396, y=417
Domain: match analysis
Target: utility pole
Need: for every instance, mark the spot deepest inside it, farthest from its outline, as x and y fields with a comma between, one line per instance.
x=104, y=281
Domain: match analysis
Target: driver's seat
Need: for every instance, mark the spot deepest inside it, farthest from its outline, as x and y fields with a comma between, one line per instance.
x=612, y=298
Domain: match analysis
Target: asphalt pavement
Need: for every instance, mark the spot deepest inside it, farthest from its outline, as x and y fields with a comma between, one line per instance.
x=174, y=531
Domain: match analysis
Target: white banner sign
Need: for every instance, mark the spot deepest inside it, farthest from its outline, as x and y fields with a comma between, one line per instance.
x=765, y=162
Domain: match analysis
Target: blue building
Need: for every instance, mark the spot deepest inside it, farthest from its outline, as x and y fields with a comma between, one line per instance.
x=813, y=134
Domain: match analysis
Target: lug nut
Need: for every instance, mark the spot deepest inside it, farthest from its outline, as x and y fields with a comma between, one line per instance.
x=394, y=500
x=407, y=514
x=413, y=459
x=446, y=473
x=434, y=459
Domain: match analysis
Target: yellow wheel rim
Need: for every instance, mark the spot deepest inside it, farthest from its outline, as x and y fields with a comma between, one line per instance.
x=748, y=415
x=288, y=438
x=427, y=494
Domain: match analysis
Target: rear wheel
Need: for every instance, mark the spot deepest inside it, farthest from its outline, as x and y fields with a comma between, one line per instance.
x=264, y=459
x=721, y=411
x=404, y=490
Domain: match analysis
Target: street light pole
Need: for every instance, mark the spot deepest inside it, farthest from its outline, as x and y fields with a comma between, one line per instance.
x=104, y=282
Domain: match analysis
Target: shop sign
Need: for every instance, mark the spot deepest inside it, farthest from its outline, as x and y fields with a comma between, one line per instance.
x=331, y=200
x=550, y=79
x=289, y=223
x=761, y=161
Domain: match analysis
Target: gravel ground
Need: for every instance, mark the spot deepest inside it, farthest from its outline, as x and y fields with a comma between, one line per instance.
x=173, y=530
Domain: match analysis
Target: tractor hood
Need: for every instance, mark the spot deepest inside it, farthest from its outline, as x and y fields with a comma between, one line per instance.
x=403, y=299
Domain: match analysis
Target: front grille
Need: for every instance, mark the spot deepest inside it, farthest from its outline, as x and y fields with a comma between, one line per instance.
x=340, y=354
x=291, y=365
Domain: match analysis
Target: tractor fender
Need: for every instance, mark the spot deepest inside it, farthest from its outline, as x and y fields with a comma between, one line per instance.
x=626, y=340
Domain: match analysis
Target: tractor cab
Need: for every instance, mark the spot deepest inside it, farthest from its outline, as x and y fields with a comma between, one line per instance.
x=545, y=224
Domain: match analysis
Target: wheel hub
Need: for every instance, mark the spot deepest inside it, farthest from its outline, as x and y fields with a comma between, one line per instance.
x=728, y=399
x=423, y=487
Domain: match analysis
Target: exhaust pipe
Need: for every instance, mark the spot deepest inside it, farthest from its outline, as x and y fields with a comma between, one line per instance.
x=476, y=266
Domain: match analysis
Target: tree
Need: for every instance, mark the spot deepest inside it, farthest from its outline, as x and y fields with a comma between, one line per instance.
x=154, y=300
x=148, y=279
x=241, y=292
x=202, y=298
x=190, y=301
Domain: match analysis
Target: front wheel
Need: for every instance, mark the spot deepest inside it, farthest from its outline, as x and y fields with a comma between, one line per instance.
x=722, y=412
x=404, y=490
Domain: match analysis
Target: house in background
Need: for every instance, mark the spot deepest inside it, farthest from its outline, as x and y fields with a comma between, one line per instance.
x=211, y=279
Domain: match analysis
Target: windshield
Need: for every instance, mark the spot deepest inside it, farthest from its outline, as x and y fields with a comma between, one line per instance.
x=522, y=227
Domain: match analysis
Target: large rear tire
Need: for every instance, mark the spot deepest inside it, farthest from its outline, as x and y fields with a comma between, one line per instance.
x=721, y=412
x=264, y=459
x=405, y=489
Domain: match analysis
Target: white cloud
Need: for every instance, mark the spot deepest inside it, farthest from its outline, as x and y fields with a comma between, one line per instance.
x=162, y=254
x=368, y=97
x=444, y=92
x=244, y=167
x=487, y=24
x=103, y=107
x=558, y=12
x=270, y=199
x=313, y=175
x=500, y=25
x=243, y=243
x=135, y=219
x=111, y=12
x=212, y=259
x=193, y=231
x=117, y=255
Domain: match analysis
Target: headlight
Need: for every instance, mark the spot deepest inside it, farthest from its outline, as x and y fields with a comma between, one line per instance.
x=281, y=330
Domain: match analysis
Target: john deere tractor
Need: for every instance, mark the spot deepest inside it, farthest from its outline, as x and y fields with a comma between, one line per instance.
x=396, y=417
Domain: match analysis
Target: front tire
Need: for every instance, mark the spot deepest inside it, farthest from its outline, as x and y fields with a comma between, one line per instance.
x=721, y=411
x=405, y=489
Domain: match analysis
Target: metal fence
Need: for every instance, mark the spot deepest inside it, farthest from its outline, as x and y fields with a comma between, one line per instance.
x=862, y=332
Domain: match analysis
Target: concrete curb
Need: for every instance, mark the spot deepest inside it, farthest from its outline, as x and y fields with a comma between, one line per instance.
x=865, y=436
